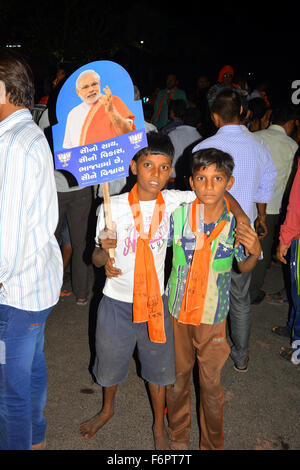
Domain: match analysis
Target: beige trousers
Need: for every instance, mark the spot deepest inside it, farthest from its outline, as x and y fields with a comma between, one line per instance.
x=207, y=344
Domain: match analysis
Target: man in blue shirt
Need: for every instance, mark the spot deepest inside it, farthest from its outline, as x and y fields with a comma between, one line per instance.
x=255, y=175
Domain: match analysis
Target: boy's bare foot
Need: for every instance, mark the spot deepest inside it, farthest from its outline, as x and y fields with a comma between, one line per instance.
x=89, y=428
x=161, y=439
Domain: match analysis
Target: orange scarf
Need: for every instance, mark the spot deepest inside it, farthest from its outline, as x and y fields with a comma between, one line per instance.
x=192, y=306
x=147, y=301
x=163, y=99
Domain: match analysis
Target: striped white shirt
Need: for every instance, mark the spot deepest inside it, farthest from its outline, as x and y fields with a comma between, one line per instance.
x=30, y=258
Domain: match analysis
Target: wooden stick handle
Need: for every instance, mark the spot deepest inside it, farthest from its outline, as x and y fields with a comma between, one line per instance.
x=107, y=213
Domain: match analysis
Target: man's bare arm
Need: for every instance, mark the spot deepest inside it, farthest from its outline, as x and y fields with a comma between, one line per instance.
x=235, y=208
x=261, y=219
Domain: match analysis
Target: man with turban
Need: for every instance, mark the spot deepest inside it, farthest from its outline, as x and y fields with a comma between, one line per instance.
x=225, y=78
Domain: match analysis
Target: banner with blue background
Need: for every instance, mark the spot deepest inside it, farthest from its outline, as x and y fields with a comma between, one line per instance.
x=100, y=125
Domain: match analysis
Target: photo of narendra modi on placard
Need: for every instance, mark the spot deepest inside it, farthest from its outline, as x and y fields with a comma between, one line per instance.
x=96, y=104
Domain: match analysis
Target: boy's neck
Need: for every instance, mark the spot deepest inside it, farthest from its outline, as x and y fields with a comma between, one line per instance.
x=212, y=212
x=146, y=196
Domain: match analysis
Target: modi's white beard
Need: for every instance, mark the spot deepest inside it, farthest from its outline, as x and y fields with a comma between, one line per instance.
x=92, y=99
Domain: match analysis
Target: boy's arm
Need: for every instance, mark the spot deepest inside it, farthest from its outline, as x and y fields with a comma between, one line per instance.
x=247, y=237
x=107, y=239
x=235, y=208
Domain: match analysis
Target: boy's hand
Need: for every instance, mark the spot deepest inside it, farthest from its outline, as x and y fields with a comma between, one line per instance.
x=110, y=270
x=281, y=252
x=108, y=238
x=245, y=235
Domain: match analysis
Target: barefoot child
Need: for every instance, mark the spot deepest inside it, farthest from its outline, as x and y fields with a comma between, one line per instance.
x=134, y=310
x=198, y=291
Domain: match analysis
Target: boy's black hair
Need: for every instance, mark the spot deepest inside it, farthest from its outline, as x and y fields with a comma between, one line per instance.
x=211, y=156
x=158, y=144
x=192, y=117
x=258, y=108
x=178, y=107
x=283, y=113
x=227, y=104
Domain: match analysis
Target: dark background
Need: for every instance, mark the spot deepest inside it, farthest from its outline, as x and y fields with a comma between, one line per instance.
x=185, y=38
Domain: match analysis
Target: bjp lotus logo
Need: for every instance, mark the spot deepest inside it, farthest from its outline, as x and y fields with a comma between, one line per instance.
x=64, y=158
x=136, y=139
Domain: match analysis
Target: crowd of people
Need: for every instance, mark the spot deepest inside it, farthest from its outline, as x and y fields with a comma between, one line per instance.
x=218, y=184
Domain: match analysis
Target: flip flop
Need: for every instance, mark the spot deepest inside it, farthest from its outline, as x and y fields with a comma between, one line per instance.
x=278, y=298
x=82, y=302
x=280, y=331
x=65, y=293
x=288, y=354
x=243, y=368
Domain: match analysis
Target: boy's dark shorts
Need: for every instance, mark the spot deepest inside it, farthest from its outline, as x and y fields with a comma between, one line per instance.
x=116, y=338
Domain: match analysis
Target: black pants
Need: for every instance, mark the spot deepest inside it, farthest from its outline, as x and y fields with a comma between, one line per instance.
x=259, y=272
x=76, y=205
x=240, y=316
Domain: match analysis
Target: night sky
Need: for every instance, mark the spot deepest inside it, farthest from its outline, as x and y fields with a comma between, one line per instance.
x=151, y=39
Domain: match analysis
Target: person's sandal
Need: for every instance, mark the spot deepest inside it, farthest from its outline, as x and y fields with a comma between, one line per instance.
x=279, y=298
x=243, y=368
x=288, y=355
x=65, y=293
x=280, y=331
x=82, y=302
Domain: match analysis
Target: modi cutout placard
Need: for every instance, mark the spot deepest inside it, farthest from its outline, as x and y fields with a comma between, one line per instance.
x=100, y=125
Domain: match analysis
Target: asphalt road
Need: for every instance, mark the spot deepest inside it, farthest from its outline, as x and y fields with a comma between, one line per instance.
x=262, y=410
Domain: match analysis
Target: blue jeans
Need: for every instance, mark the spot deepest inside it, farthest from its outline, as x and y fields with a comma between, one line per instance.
x=23, y=380
x=293, y=325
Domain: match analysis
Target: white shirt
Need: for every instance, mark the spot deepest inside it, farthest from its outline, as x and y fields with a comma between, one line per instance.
x=121, y=287
x=181, y=137
x=150, y=127
x=30, y=259
x=283, y=149
x=75, y=120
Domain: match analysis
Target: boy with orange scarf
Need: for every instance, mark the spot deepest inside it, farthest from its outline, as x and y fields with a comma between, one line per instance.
x=203, y=251
x=134, y=310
